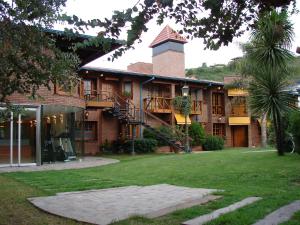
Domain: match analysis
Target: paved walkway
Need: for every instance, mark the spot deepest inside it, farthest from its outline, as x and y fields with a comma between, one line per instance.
x=85, y=162
x=219, y=212
x=281, y=215
x=114, y=204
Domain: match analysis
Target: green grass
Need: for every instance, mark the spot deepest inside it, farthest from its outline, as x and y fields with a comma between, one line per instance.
x=239, y=174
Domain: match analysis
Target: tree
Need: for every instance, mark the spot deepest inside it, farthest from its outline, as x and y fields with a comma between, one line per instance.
x=30, y=59
x=269, y=57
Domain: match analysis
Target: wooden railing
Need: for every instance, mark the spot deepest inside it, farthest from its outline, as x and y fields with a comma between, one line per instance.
x=101, y=96
x=196, y=107
x=239, y=110
x=157, y=104
x=218, y=110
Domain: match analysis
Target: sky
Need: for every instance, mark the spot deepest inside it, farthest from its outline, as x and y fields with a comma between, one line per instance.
x=195, y=54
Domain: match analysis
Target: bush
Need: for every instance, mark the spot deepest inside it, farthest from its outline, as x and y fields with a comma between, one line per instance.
x=166, y=131
x=197, y=133
x=213, y=143
x=141, y=145
x=294, y=128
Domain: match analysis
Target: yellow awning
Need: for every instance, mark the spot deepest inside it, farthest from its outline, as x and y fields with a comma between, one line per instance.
x=237, y=92
x=239, y=121
x=180, y=118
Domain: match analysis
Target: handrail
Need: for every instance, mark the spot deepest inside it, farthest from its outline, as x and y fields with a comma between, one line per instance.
x=238, y=110
x=99, y=96
x=152, y=103
x=179, y=133
x=218, y=110
x=196, y=106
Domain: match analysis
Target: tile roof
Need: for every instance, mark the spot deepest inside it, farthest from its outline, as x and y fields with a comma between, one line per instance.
x=167, y=34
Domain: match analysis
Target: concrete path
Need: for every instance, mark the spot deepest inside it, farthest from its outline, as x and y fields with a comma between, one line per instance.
x=281, y=215
x=110, y=205
x=85, y=162
x=217, y=213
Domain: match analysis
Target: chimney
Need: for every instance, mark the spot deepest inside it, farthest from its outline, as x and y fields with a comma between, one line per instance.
x=168, y=53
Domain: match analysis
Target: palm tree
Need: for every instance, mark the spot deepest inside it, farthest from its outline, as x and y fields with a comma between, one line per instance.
x=268, y=57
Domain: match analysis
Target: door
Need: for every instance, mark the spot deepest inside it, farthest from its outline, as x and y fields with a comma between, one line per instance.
x=108, y=90
x=240, y=136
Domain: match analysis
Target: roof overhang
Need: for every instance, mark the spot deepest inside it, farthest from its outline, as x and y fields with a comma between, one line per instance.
x=122, y=73
x=65, y=42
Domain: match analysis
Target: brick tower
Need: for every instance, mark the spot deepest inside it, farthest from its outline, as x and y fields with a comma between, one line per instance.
x=168, y=53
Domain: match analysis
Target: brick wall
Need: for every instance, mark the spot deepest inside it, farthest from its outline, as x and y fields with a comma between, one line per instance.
x=169, y=63
x=47, y=97
x=141, y=67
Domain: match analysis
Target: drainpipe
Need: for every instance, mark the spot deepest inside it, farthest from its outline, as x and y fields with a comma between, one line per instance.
x=141, y=102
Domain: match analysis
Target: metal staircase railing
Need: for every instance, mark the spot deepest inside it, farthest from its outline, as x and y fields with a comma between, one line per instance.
x=126, y=111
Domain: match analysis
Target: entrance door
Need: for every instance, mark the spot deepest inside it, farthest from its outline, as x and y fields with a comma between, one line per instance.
x=240, y=136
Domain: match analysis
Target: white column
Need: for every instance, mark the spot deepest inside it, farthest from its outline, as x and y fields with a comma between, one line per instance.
x=11, y=137
x=19, y=140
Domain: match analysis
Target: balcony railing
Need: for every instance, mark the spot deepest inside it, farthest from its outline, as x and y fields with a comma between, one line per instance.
x=158, y=104
x=101, y=96
x=196, y=107
x=239, y=110
x=218, y=110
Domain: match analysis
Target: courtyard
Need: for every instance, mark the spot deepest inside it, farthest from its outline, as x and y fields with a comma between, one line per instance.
x=239, y=172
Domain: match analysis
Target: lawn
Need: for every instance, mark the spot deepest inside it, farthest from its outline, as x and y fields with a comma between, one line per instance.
x=239, y=174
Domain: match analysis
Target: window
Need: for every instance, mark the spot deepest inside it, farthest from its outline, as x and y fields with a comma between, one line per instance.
x=87, y=87
x=90, y=130
x=127, y=89
x=218, y=103
x=219, y=129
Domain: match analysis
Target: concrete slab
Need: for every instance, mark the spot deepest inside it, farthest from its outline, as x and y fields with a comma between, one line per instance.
x=281, y=215
x=84, y=162
x=114, y=204
x=217, y=213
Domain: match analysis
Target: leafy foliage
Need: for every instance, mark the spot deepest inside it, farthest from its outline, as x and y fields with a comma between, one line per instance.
x=213, y=143
x=182, y=104
x=148, y=134
x=294, y=128
x=216, y=72
x=141, y=145
x=197, y=133
x=268, y=60
x=28, y=57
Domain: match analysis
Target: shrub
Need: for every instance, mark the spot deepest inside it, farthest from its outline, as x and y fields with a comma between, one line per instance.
x=294, y=128
x=141, y=145
x=213, y=143
x=166, y=131
x=197, y=133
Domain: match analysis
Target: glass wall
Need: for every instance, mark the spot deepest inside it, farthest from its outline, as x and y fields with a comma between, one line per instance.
x=4, y=138
x=62, y=133
x=18, y=136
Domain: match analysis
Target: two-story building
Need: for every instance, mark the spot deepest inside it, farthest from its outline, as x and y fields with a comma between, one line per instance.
x=149, y=89
x=110, y=104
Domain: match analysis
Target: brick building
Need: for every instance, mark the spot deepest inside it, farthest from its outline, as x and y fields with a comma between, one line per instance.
x=111, y=104
x=148, y=89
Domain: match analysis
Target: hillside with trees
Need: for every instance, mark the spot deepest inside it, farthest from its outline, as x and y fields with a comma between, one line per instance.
x=219, y=71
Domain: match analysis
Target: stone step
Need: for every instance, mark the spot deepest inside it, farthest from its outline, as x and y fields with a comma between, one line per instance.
x=281, y=215
x=219, y=212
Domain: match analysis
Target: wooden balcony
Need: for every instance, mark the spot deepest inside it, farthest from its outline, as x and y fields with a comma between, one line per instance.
x=218, y=110
x=196, y=107
x=158, y=104
x=102, y=99
x=239, y=111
